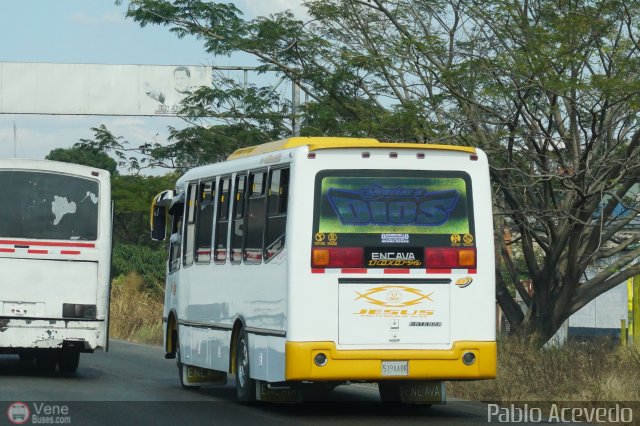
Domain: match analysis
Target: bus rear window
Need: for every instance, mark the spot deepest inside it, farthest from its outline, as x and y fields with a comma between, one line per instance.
x=44, y=205
x=367, y=208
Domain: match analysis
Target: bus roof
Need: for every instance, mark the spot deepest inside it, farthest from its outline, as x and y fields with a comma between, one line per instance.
x=315, y=143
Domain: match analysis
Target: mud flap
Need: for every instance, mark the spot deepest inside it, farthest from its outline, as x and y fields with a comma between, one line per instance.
x=272, y=392
x=423, y=392
x=198, y=376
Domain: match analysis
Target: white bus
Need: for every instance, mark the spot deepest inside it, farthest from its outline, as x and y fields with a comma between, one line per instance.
x=320, y=261
x=55, y=258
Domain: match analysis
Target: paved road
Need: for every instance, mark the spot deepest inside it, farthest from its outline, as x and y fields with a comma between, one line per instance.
x=134, y=385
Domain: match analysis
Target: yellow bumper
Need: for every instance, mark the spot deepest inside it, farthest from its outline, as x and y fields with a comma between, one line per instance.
x=441, y=364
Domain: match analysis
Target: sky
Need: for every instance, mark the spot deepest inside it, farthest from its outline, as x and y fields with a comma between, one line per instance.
x=97, y=32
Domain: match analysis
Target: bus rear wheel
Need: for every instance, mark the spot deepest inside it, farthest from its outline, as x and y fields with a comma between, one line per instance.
x=68, y=361
x=46, y=360
x=245, y=385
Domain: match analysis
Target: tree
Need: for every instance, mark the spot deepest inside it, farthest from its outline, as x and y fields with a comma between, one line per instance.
x=549, y=89
x=85, y=157
x=132, y=196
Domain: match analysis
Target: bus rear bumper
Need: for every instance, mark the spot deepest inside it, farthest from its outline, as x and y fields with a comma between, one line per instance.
x=23, y=333
x=367, y=365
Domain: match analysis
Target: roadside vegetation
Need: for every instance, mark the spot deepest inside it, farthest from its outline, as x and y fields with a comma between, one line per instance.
x=579, y=371
x=136, y=310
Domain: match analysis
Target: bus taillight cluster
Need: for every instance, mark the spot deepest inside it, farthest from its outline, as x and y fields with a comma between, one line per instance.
x=434, y=258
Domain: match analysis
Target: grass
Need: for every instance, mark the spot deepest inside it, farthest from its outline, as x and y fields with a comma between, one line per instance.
x=136, y=311
x=578, y=371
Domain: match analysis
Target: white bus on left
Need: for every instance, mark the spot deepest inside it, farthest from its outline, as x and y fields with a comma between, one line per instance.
x=55, y=258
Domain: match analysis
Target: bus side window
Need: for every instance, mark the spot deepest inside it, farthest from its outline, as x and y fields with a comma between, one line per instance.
x=204, y=223
x=238, y=218
x=190, y=222
x=222, y=219
x=175, y=241
x=256, y=210
x=277, y=199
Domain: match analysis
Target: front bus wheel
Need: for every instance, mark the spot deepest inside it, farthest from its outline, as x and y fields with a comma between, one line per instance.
x=245, y=385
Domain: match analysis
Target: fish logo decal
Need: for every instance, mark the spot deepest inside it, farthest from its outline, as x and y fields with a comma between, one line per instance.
x=394, y=296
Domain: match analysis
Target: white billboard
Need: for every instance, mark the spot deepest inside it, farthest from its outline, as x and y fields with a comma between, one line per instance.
x=95, y=89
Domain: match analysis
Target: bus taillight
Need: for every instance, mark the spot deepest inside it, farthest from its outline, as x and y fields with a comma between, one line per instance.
x=337, y=257
x=449, y=258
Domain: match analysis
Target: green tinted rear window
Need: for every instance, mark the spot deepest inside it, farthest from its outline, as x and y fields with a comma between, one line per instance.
x=377, y=207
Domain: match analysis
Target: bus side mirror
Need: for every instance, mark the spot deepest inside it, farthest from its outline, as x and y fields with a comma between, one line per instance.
x=159, y=223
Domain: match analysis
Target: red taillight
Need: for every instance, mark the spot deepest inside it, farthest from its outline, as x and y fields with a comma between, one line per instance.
x=450, y=258
x=337, y=257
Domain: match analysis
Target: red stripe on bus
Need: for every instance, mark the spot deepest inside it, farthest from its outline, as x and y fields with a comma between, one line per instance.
x=353, y=271
x=69, y=252
x=47, y=243
x=438, y=271
x=6, y=250
x=38, y=251
x=472, y=271
x=397, y=271
x=317, y=270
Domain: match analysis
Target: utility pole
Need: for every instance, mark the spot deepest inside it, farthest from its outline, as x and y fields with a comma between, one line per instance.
x=14, y=140
x=295, y=119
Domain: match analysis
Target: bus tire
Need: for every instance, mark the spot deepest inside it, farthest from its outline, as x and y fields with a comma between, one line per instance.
x=68, y=361
x=245, y=385
x=181, y=366
x=46, y=360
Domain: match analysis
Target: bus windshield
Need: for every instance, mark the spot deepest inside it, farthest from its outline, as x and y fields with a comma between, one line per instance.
x=377, y=208
x=48, y=206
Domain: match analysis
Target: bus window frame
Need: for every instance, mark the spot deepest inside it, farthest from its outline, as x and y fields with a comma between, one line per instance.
x=175, y=240
x=234, y=218
x=252, y=197
x=198, y=220
x=282, y=212
x=189, y=220
x=226, y=220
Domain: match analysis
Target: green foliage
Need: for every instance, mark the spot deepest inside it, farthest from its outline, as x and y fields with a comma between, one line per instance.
x=132, y=196
x=147, y=262
x=106, y=142
x=87, y=157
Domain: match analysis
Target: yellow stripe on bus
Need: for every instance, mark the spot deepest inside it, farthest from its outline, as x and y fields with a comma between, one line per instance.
x=317, y=143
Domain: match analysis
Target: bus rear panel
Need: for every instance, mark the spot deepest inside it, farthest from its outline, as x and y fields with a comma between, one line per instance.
x=55, y=239
x=399, y=260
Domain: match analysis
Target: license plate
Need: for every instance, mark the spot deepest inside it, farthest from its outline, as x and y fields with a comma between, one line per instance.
x=395, y=368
